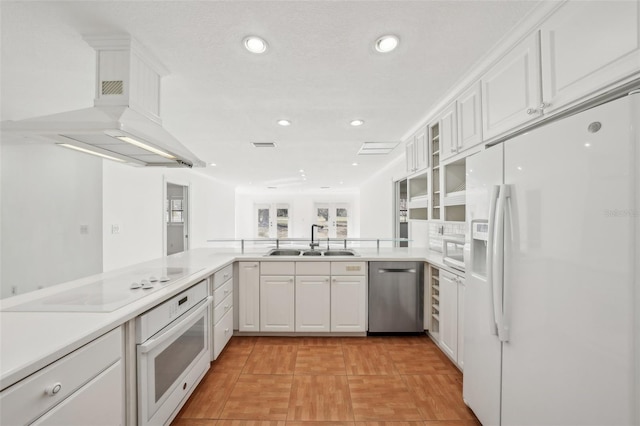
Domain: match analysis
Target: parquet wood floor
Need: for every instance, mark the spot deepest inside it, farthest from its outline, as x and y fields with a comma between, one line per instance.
x=348, y=381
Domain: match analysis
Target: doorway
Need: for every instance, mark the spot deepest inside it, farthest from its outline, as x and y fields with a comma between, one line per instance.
x=334, y=218
x=176, y=218
x=401, y=227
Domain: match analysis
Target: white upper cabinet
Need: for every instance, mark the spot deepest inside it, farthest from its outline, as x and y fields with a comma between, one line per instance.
x=448, y=132
x=417, y=151
x=511, y=93
x=469, y=118
x=588, y=46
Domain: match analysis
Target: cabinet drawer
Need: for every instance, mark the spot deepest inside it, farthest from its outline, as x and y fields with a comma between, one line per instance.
x=348, y=268
x=28, y=399
x=277, y=268
x=222, y=308
x=313, y=268
x=222, y=276
x=222, y=292
x=222, y=332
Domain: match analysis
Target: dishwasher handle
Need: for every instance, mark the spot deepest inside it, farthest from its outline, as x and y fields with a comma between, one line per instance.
x=396, y=270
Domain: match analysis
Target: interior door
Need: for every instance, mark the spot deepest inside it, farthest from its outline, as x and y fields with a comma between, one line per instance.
x=569, y=264
x=272, y=220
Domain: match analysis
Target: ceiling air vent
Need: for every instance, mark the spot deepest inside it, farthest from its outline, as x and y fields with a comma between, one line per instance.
x=377, y=148
x=112, y=87
x=264, y=144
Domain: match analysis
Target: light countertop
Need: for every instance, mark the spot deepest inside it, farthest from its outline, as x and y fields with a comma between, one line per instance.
x=31, y=340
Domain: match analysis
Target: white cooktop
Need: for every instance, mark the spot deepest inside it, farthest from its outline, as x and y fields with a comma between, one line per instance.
x=107, y=294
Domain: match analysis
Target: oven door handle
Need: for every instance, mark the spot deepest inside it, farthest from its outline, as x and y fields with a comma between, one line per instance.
x=177, y=328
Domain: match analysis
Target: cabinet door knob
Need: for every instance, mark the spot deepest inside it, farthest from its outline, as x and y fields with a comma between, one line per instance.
x=53, y=389
x=539, y=110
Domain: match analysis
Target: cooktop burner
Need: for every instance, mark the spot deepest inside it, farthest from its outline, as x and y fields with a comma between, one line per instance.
x=107, y=294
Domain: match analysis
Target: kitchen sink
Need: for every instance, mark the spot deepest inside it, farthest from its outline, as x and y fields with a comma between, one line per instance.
x=284, y=252
x=339, y=253
x=296, y=252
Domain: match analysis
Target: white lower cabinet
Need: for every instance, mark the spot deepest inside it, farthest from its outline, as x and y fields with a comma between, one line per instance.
x=451, y=298
x=349, y=303
x=249, y=296
x=222, y=290
x=94, y=404
x=449, y=314
x=81, y=388
x=313, y=303
x=277, y=304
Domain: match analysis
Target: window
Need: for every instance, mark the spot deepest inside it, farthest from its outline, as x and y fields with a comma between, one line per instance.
x=272, y=220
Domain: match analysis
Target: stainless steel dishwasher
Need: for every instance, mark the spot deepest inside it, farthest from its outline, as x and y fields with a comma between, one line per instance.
x=396, y=297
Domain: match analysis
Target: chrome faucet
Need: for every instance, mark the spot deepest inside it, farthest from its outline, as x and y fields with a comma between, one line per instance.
x=312, y=245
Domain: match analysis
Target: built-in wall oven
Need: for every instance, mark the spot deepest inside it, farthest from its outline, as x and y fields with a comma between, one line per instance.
x=173, y=353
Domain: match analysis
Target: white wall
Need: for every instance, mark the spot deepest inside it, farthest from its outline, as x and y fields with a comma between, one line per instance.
x=134, y=201
x=48, y=193
x=301, y=210
x=376, y=200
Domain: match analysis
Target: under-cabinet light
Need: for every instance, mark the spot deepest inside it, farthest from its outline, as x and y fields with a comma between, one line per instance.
x=88, y=151
x=146, y=147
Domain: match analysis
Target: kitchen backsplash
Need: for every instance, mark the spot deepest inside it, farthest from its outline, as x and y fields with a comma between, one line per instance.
x=439, y=230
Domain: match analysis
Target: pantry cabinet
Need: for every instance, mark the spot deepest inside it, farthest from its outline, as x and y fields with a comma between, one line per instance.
x=586, y=46
x=249, y=296
x=511, y=93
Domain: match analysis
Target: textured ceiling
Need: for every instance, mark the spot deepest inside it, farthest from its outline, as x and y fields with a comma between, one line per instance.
x=320, y=72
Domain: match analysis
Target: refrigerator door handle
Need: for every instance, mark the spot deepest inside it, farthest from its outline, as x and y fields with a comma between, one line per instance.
x=495, y=191
x=498, y=264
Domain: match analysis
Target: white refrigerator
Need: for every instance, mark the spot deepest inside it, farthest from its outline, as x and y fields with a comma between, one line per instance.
x=552, y=309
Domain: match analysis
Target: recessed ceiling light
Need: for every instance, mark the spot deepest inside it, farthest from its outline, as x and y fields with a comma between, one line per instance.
x=255, y=44
x=357, y=122
x=284, y=123
x=387, y=43
x=354, y=164
x=213, y=164
x=301, y=170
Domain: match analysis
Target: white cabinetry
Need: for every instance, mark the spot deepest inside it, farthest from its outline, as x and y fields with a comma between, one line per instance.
x=313, y=297
x=588, y=45
x=249, y=296
x=511, y=94
x=277, y=296
x=451, y=291
x=417, y=151
x=84, y=387
x=348, y=296
x=448, y=124
x=449, y=314
x=461, y=291
x=222, y=290
x=469, y=118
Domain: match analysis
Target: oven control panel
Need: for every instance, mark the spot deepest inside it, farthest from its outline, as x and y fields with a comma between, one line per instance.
x=162, y=315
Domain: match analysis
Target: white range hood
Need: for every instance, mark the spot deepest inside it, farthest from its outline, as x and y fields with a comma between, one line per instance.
x=124, y=125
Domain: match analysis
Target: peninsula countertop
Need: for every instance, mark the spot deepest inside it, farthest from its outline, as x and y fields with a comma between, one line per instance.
x=33, y=339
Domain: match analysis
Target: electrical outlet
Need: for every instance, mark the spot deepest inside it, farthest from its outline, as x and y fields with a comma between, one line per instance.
x=14, y=290
x=84, y=229
x=115, y=229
